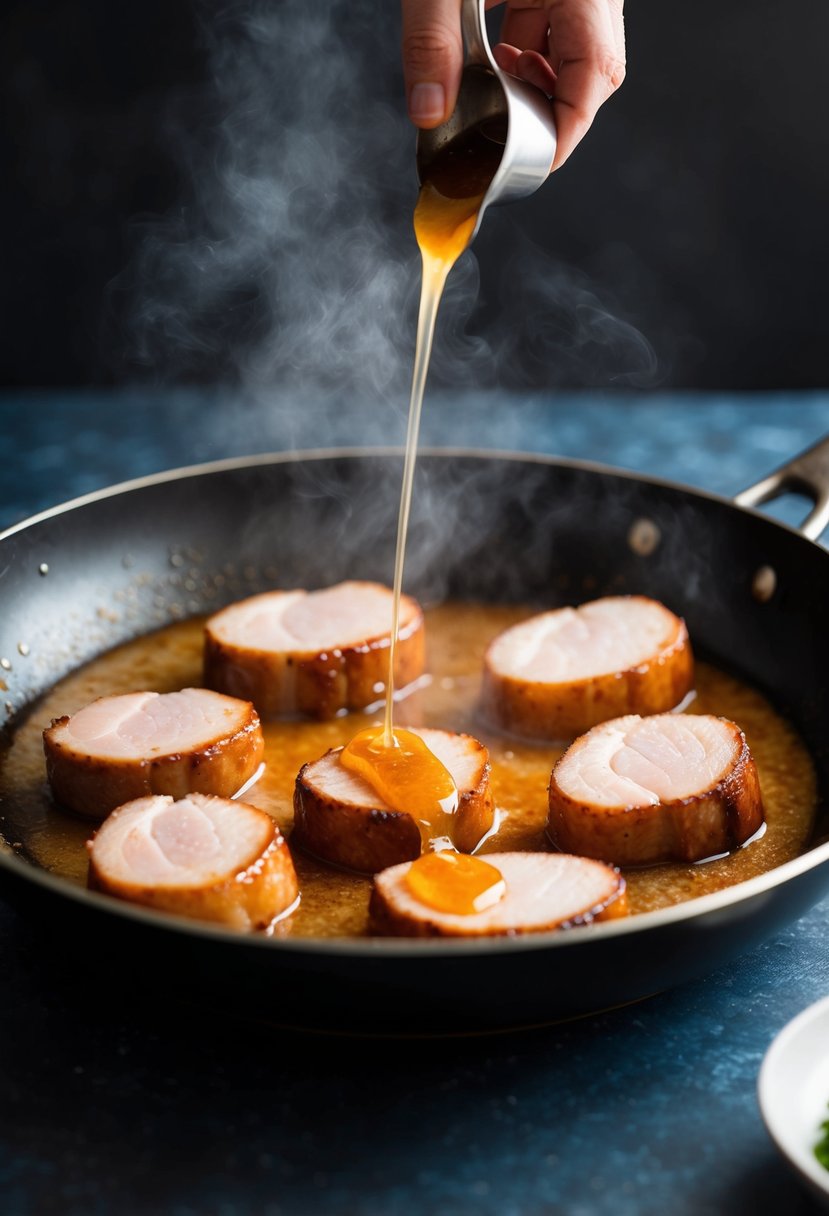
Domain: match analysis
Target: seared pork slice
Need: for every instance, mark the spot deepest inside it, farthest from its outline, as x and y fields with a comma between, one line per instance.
x=316, y=653
x=119, y=748
x=543, y=891
x=557, y=674
x=640, y=790
x=340, y=818
x=209, y=858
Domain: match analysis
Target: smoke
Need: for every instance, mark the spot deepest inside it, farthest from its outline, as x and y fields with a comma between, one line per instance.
x=544, y=322
x=290, y=268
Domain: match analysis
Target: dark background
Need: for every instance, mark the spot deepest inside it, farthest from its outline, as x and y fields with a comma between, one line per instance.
x=695, y=213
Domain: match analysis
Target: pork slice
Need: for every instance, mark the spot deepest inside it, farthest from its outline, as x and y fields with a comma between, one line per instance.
x=122, y=747
x=318, y=653
x=668, y=787
x=339, y=817
x=204, y=857
x=561, y=672
x=543, y=891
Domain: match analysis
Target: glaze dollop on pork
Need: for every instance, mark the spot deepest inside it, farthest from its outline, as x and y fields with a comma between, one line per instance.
x=340, y=818
x=543, y=891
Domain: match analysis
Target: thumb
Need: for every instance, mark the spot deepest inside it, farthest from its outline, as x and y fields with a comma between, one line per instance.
x=432, y=58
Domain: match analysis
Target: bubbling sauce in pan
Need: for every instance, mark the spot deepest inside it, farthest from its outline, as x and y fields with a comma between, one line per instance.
x=335, y=903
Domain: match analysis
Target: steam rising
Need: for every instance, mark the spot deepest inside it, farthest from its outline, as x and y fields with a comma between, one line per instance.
x=291, y=268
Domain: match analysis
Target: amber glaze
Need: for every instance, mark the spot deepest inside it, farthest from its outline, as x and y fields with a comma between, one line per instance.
x=335, y=903
x=455, y=882
x=406, y=775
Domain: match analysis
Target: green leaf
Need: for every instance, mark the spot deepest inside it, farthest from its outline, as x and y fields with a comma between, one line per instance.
x=821, y=1149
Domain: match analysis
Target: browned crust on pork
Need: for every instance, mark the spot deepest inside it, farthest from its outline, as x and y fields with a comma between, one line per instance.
x=369, y=839
x=385, y=920
x=93, y=786
x=689, y=829
x=538, y=710
x=475, y=815
x=251, y=898
x=366, y=839
x=319, y=685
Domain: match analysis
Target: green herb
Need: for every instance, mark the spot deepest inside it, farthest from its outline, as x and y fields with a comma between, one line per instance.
x=822, y=1146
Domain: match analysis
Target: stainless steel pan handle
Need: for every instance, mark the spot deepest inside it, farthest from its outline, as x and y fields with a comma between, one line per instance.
x=807, y=474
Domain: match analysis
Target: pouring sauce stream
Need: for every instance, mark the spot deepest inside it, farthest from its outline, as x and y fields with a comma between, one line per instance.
x=445, y=218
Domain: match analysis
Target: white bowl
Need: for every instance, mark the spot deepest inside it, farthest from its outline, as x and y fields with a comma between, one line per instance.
x=793, y=1091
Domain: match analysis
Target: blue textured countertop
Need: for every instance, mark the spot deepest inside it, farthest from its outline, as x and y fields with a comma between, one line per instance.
x=646, y=1109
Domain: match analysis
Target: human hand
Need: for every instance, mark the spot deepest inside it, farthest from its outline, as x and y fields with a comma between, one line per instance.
x=573, y=50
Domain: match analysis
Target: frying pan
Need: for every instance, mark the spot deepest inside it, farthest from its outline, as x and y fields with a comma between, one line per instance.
x=755, y=593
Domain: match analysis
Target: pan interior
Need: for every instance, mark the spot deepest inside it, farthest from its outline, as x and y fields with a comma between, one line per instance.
x=506, y=534
x=334, y=903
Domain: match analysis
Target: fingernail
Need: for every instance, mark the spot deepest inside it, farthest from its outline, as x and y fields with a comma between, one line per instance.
x=427, y=102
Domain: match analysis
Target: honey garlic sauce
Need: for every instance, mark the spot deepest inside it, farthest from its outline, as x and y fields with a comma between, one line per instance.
x=455, y=883
x=334, y=903
x=408, y=776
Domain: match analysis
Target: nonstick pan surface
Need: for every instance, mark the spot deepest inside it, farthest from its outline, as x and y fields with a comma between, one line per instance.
x=486, y=527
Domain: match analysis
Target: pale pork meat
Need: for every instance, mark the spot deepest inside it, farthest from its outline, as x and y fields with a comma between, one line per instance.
x=121, y=747
x=208, y=858
x=317, y=653
x=339, y=817
x=543, y=891
x=561, y=672
x=636, y=790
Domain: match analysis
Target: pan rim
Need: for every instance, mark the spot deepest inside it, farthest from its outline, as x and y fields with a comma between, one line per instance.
x=405, y=948
x=396, y=948
x=305, y=455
